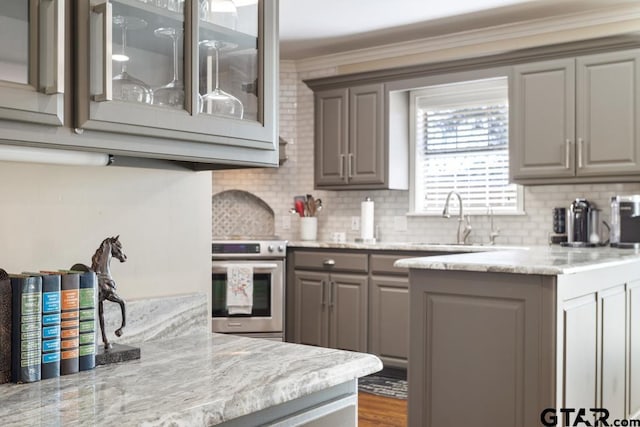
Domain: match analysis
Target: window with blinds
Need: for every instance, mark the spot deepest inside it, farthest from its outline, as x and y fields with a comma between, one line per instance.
x=461, y=137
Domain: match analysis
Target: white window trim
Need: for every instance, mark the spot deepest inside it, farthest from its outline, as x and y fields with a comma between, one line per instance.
x=413, y=158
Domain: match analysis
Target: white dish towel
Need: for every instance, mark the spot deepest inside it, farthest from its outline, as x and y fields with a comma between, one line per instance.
x=239, y=289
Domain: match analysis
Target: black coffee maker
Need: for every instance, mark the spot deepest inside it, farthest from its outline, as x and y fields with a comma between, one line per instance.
x=578, y=223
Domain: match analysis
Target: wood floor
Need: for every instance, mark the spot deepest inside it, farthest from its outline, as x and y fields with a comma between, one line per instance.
x=378, y=411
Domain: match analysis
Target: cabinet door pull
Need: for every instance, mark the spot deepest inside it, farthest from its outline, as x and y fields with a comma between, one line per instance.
x=567, y=154
x=341, y=166
x=51, y=50
x=332, y=285
x=323, y=301
x=350, y=166
x=580, y=144
x=329, y=262
x=106, y=10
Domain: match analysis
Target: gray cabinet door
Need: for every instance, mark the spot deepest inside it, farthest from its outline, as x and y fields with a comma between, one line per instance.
x=366, y=162
x=389, y=320
x=348, y=312
x=478, y=343
x=331, y=137
x=542, y=116
x=608, y=114
x=32, y=55
x=633, y=350
x=350, y=150
x=311, y=308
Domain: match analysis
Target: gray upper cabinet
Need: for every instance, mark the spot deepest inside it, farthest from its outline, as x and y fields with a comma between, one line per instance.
x=608, y=114
x=576, y=118
x=168, y=80
x=32, y=63
x=351, y=145
x=192, y=74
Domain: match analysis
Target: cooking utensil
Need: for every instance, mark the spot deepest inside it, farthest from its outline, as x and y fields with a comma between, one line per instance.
x=299, y=204
x=311, y=205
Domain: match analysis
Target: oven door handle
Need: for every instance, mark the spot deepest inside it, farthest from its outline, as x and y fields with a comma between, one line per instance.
x=256, y=266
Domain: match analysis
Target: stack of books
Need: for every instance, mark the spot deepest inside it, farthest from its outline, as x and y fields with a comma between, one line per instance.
x=52, y=318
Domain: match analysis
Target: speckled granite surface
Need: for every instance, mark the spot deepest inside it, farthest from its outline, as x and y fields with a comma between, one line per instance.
x=157, y=318
x=544, y=260
x=203, y=379
x=398, y=246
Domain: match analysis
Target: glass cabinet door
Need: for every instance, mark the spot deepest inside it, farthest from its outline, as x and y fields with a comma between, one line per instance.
x=32, y=60
x=195, y=70
x=228, y=78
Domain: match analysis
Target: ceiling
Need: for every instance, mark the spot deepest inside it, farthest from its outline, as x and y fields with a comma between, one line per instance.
x=310, y=28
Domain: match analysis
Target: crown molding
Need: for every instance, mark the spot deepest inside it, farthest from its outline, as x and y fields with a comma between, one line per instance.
x=560, y=26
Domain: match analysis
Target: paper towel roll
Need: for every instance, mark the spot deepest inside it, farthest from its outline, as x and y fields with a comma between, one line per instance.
x=366, y=220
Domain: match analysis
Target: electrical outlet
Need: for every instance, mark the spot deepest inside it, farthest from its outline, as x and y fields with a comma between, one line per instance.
x=355, y=223
x=286, y=222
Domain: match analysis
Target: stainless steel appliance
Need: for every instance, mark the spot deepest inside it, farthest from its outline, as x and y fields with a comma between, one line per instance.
x=577, y=223
x=625, y=221
x=267, y=258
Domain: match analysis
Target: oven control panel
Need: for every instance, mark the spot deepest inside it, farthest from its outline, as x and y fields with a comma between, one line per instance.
x=249, y=249
x=235, y=248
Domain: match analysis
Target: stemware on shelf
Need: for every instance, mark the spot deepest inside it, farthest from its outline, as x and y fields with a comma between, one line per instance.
x=171, y=94
x=218, y=102
x=220, y=12
x=125, y=86
x=175, y=5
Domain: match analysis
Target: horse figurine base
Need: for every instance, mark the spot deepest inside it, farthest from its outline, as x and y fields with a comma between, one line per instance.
x=109, y=248
x=117, y=353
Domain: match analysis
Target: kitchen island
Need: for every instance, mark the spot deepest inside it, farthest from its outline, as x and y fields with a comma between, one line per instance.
x=200, y=380
x=510, y=338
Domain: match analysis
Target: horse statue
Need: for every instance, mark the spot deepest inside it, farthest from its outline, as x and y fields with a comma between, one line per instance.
x=110, y=247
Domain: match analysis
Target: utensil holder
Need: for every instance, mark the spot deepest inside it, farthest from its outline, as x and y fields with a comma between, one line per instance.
x=308, y=228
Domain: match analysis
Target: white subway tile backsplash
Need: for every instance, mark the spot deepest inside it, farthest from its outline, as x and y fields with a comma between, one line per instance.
x=277, y=187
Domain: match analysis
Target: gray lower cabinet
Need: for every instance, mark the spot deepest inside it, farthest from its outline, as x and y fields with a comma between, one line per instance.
x=576, y=118
x=331, y=310
x=352, y=300
x=389, y=309
x=329, y=300
x=505, y=347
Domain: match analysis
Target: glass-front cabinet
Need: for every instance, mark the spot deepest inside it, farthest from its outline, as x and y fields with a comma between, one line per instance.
x=194, y=70
x=32, y=60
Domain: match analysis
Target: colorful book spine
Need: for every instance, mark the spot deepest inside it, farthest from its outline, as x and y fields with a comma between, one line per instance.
x=5, y=327
x=27, y=328
x=88, y=300
x=69, y=323
x=50, y=326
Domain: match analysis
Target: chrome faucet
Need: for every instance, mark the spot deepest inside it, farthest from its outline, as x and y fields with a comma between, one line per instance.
x=495, y=232
x=460, y=237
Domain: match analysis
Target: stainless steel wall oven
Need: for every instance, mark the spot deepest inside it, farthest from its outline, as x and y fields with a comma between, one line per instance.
x=267, y=261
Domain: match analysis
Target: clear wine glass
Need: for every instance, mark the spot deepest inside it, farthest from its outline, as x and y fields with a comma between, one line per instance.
x=125, y=86
x=171, y=94
x=218, y=102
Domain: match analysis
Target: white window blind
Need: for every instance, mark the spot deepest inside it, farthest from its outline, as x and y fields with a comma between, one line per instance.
x=461, y=144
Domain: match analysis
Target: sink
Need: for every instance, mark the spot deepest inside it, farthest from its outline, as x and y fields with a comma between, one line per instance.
x=470, y=247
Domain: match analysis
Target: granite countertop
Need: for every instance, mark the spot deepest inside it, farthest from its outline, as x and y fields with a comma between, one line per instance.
x=544, y=260
x=398, y=246
x=202, y=379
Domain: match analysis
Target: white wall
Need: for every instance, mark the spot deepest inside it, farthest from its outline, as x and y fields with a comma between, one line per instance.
x=54, y=216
